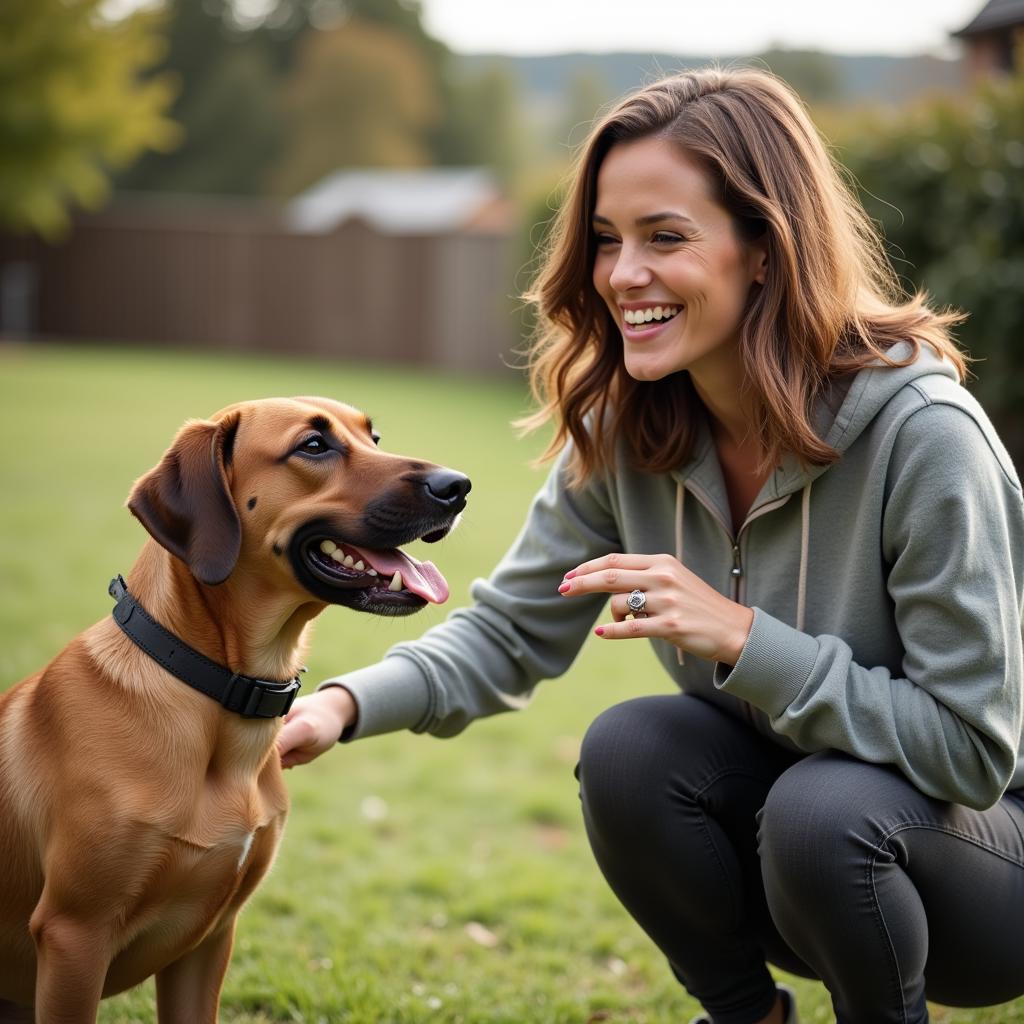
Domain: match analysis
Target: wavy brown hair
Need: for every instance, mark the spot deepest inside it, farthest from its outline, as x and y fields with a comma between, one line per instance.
x=830, y=304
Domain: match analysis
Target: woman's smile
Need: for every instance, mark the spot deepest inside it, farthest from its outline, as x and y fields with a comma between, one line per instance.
x=643, y=320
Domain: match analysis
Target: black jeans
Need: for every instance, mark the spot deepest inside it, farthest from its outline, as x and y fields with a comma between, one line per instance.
x=730, y=851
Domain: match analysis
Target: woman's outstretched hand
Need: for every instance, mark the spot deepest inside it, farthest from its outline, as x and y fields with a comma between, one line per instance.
x=314, y=724
x=680, y=607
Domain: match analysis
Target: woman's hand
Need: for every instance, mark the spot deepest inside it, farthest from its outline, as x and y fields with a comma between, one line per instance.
x=314, y=724
x=681, y=607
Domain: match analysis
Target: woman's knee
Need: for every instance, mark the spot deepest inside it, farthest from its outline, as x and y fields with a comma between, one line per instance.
x=616, y=746
x=631, y=755
x=823, y=816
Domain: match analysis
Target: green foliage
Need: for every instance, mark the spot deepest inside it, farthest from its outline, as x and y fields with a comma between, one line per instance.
x=73, y=106
x=943, y=179
x=227, y=105
x=483, y=125
x=270, y=103
x=359, y=96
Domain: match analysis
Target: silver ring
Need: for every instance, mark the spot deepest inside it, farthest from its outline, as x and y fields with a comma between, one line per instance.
x=637, y=603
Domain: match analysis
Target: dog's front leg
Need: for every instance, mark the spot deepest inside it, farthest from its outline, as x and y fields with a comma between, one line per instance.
x=188, y=990
x=72, y=961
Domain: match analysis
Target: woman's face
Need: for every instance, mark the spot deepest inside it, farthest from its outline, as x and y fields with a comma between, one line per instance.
x=670, y=265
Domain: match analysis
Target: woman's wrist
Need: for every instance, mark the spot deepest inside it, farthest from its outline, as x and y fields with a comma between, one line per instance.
x=343, y=705
x=739, y=623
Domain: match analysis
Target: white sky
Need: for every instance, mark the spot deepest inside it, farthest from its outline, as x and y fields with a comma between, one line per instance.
x=699, y=27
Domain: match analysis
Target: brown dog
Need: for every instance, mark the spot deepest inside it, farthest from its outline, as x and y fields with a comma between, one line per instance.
x=138, y=814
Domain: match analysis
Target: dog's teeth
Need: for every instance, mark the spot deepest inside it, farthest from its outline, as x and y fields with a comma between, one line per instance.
x=359, y=567
x=338, y=555
x=328, y=546
x=396, y=582
x=349, y=560
x=371, y=572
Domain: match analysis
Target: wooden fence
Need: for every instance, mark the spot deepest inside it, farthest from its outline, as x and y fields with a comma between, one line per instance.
x=233, y=277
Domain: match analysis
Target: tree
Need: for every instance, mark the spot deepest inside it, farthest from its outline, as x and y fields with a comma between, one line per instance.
x=483, y=123
x=242, y=88
x=73, y=106
x=360, y=96
x=228, y=80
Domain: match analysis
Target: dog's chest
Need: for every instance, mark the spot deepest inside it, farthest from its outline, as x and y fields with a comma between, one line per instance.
x=232, y=829
x=212, y=860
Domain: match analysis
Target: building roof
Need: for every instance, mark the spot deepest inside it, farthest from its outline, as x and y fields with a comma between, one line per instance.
x=418, y=201
x=995, y=15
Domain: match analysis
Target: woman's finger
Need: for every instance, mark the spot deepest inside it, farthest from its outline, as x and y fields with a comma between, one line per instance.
x=612, y=561
x=627, y=629
x=611, y=580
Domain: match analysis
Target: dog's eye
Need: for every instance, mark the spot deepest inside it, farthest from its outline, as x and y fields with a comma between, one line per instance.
x=375, y=437
x=314, y=445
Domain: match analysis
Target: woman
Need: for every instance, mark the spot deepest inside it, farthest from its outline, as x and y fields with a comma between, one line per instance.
x=838, y=788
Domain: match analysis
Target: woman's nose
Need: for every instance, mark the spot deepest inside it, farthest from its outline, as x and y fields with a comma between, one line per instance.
x=630, y=271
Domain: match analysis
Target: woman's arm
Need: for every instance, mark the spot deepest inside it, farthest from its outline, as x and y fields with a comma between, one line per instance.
x=483, y=659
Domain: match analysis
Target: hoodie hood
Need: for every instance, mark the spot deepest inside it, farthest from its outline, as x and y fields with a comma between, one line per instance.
x=866, y=395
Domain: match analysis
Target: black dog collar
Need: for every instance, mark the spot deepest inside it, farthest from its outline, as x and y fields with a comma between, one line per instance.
x=248, y=697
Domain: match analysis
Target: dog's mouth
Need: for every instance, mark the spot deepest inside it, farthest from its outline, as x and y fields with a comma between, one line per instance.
x=393, y=572
x=383, y=581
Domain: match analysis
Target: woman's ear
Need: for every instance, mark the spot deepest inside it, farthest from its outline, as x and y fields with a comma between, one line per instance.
x=185, y=503
x=759, y=259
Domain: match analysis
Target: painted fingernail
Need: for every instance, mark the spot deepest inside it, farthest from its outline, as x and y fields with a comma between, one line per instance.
x=599, y=631
x=564, y=588
x=569, y=575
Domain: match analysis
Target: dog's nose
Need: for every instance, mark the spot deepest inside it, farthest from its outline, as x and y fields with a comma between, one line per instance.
x=448, y=488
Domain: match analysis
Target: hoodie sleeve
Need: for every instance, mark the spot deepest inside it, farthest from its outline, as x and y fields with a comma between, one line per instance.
x=953, y=536
x=488, y=657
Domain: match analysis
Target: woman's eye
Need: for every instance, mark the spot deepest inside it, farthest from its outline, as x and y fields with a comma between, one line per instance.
x=603, y=239
x=314, y=445
x=666, y=238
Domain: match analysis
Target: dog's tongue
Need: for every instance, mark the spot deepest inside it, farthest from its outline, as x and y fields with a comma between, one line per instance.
x=422, y=578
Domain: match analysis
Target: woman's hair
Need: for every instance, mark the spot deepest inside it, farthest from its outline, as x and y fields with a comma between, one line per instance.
x=830, y=303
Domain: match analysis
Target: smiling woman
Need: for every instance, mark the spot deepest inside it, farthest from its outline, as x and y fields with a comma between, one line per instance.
x=735, y=377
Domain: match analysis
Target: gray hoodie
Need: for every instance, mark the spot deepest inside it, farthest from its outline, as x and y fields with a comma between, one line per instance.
x=886, y=588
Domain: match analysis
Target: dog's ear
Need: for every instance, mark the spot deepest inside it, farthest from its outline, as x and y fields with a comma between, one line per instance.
x=185, y=504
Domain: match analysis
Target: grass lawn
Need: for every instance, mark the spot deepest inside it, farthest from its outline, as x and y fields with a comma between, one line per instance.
x=420, y=880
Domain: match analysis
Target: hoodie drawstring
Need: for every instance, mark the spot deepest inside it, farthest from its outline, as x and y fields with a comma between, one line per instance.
x=805, y=539
x=680, y=507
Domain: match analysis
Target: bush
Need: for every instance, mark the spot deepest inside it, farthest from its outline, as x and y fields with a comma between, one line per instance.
x=945, y=180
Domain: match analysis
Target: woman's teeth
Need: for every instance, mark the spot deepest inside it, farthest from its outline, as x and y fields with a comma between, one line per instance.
x=645, y=316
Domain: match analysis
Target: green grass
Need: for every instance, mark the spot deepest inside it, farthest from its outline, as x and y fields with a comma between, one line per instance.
x=397, y=848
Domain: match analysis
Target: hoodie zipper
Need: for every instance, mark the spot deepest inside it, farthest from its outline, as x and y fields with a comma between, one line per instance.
x=736, y=572
x=736, y=576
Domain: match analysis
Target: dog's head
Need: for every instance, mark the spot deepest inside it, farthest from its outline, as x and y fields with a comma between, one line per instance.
x=296, y=490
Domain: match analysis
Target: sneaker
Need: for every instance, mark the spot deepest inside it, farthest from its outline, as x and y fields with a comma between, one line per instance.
x=788, y=1002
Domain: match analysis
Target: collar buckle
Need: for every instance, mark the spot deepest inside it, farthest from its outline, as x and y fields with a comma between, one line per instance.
x=258, y=698
x=118, y=588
